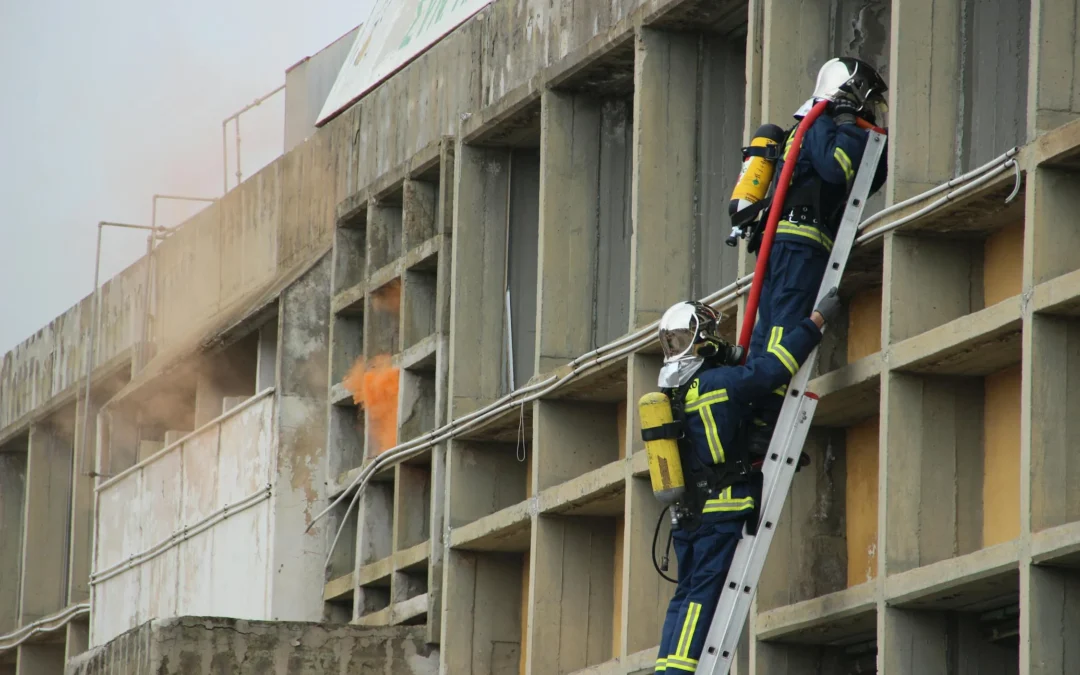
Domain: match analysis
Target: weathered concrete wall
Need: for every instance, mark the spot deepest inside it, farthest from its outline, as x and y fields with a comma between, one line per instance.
x=213, y=646
x=995, y=75
x=223, y=568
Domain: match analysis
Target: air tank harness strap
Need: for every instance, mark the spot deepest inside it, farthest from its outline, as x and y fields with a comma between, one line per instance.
x=671, y=430
x=769, y=152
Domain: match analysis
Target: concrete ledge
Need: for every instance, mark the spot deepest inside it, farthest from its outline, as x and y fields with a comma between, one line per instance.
x=974, y=214
x=426, y=255
x=976, y=344
x=345, y=479
x=352, y=211
x=505, y=427
x=408, y=610
x=958, y=583
x=825, y=620
x=340, y=396
x=421, y=356
x=639, y=463
x=349, y=301
x=413, y=558
x=1058, y=147
x=1059, y=296
x=384, y=275
x=507, y=530
x=1057, y=546
x=606, y=384
x=848, y=394
x=597, y=493
x=340, y=588
x=377, y=619
x=377, y=573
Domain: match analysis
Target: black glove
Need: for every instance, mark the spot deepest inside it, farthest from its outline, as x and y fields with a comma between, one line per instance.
x=844, y=112
x=829, y=307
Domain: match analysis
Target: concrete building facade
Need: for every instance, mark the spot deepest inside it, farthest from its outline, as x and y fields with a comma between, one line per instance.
x=487, y=231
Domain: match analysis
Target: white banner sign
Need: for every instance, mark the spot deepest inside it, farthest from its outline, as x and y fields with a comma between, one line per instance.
x=396, y=32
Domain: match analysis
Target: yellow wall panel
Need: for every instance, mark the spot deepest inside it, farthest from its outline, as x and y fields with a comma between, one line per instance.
x=1001, y=465
x=864, y=324
x=862, y=501
x=1003, y=264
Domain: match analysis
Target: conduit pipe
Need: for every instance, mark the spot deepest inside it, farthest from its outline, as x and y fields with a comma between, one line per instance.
x=628, y=344
x=45, y=625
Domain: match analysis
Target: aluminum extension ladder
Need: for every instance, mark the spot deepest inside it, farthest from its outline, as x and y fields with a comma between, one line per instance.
x=787, y=443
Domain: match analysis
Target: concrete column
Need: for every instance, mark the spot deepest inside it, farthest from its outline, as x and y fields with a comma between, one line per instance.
x=82, y=508
x=12, y=511
x=483, y=605
x=479, y=263
x=569, y=166
x=924, y=83
x=300, y=482
x=1054, y=69
x=796, y=43
x=40, y=659
x=665, y=147
x=47, y=523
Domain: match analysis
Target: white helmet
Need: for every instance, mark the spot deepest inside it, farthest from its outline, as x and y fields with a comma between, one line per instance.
x=689, y=334
x=853, y=80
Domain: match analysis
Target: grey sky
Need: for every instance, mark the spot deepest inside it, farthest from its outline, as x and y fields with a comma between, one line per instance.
x=106, y=103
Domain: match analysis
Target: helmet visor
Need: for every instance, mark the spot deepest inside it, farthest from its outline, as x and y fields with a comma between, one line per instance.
x=676, y=342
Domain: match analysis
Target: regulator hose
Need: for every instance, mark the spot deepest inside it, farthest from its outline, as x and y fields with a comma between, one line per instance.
x=656, y=535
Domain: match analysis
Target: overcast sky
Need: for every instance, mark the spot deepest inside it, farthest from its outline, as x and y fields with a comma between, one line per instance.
x=105, y=103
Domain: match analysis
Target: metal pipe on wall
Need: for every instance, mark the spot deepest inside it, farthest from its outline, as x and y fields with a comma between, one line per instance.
x=235, y=117
x=95, y=320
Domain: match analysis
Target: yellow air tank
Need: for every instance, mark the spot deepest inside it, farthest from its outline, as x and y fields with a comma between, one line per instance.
x=665, y=467
x=759, y=163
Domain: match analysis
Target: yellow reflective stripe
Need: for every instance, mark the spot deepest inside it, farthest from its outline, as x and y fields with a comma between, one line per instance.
x=780, y=352
x=712, y=435
x=691, y=618
x=808, y=231
x=661, y=664
x=685, y=665
x=790, y=358
x=779, y=391
x=718, y=396
x=844, y=161
x=725, y=503
x=682, y=635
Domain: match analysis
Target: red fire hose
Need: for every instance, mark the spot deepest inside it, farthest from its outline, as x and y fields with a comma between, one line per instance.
x=770, y=225
x=774, y=219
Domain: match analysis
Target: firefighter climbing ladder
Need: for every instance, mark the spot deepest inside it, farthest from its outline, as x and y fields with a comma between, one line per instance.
x=782, y=457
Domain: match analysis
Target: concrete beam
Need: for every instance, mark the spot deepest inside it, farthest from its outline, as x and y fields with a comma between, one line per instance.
x=823, y=620
x=848, y=394
x=664, y=161
x=506, y=530
x=598, y=492
x=45, y=547
x=975, y=344
x=957, y=582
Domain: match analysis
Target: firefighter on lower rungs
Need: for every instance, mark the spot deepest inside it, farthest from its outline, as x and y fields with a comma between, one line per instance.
x=708, y=480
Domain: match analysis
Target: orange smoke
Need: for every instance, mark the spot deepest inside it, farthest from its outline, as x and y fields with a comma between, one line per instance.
x=388, y=297
x=374, y=384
